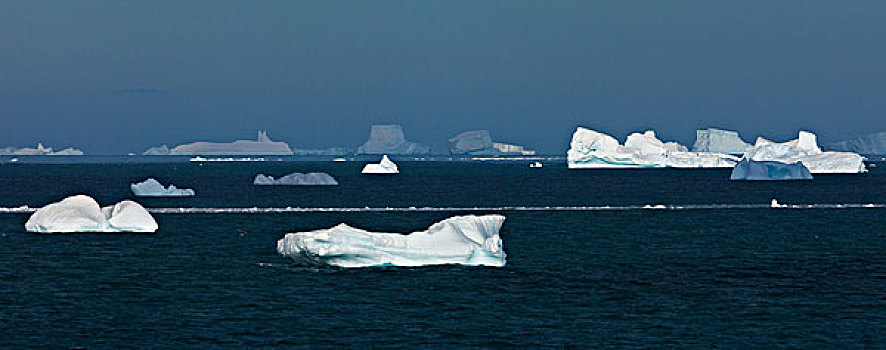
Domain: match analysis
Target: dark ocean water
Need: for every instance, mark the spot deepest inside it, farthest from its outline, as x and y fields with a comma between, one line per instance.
x=732, y=277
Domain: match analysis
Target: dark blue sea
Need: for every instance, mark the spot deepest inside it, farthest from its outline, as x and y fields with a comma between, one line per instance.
x=587, y=265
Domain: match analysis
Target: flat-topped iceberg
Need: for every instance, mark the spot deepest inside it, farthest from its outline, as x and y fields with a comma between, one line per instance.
x=719, y=141
x=748, y=169
x=385, y=166
x=593, y=149
x=39, y=151
x=296, y=179
x=389, y=139
x=479, y=142
x=153, y=188
x=805, y=150
x=81, y=213
x=261, y=146
x=870, y=144
x=463, y=240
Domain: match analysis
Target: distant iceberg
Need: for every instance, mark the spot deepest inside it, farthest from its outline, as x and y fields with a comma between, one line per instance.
x=386, y=166
x=332, y=151
x=593, y=149
x=82, y=214
x=157, y=151
x=463, y=240
x=153, y=188
x=39, y=151
x=261, y=146
x=719, y=141
x=748, y=169
x=297, y=179
x=805, y=150
x=479, y=143
x=389, y=139
x=870, y=144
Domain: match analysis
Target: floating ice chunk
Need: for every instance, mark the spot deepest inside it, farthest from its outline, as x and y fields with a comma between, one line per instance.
x=386, y=166
x=774, y=204
x=40, y=151
x=464, y=240
x=870, y=144
x=297, y=179
x=82, y=214
x=767, y=170
x=535, y=165
x=157, y=151
x=261, y=146
x=592, y=149
x=153, y=188
x=389, y=139
x=719, y=141
x=805, y=150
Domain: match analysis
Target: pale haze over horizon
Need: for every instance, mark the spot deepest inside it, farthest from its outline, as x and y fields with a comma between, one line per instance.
x=113, y=77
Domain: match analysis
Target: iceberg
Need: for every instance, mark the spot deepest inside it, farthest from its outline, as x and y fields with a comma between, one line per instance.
x=153, y=188
x=870, y=144
x=297, y=179
x=157, y=151
x=593, y=149
x=805, y=150
x=81, y=213
x=389, y=139
x=719, y=141
x=332, y=151
x=385, y=166
x=463, y=240
x=479, y=143
x=261, y=146
x=39, y=151
x=748, y=169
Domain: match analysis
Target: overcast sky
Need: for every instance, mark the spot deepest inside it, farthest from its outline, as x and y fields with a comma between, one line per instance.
x=119, y=76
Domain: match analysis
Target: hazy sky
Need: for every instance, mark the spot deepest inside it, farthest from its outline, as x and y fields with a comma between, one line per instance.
x=119, y=76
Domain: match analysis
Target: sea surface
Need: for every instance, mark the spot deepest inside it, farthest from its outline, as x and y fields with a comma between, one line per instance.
x=589, y=262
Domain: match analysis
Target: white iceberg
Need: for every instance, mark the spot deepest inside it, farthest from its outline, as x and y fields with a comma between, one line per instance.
x=40, y=151
x=479, y=143
x=805, y=150
x=261, y=146
x=719, y=141
x=748, y=169
x=593, y=149
x=297, y=179
x=153, y=188
x=464, y=240
x=385, y=166
x=389, y=139
x=81, y=213
x=870, y=144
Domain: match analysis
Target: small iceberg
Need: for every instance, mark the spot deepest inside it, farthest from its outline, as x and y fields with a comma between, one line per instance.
x=81, y=213
x=153, y=188
x=386, y=166
x=296, y=179
x=748, y=169
x=805, y=149
x=775, y=204
x=462, y=240
x=339, y=160
x=536, y=165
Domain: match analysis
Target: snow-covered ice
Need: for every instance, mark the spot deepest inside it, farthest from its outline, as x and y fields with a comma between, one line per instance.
x=719, y=141
x=297, y=179
x=81, y=213
x=805, y=149
x=464, y=240
x=389, y=139
x=153, y=188
x=385, y=166
x=593, y=149
x=748, y=169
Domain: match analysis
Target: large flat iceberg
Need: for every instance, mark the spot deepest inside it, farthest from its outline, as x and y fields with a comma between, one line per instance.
x=479, y=142
x=805, y=150
x=748, y=169
x=385, y=166
x=593, y=149
x=153, y=188
x=389, y=139
x=39, y=151
x=81, y=213
x=870, y=144
x=297, y=179
x=464, y=240
x=719, y=141
x=261, y=146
